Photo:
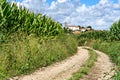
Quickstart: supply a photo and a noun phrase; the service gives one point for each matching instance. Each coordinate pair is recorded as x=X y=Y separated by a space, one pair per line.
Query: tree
x=79 y=26
x=89 y=27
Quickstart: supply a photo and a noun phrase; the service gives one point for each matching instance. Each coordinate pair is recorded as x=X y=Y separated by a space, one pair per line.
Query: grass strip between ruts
x=86 y=67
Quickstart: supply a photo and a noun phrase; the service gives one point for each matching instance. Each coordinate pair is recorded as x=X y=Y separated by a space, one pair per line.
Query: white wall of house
x=73 y=28
x=83 y=30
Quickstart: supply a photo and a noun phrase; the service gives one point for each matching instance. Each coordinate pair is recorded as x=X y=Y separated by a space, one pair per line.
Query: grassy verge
x=86 y=67
x=113 y=50
x=23 y=54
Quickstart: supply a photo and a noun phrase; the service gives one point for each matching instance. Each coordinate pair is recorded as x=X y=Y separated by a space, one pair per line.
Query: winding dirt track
x=102 y=70
x=64 y=70
x=61 y=70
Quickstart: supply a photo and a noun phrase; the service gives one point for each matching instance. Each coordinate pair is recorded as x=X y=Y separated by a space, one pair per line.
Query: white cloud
x=61 y=1
x=53 y=5
x=99 y=16
x=100 y=22
x=81 y=9
x=104 y=1
x=38 y=6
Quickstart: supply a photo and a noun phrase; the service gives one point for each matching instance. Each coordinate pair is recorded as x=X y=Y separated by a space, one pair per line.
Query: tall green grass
x=23 y=55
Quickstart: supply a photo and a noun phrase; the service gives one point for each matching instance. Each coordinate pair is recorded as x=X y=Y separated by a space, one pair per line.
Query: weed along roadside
x=30 y=57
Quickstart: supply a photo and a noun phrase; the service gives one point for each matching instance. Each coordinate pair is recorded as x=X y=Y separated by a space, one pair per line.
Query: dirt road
x=64 y=70
x=61 y=70
x=103 y=69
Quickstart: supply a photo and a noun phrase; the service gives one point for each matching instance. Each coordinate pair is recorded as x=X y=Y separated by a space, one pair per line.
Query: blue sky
x=87 y=2
x=100 y=14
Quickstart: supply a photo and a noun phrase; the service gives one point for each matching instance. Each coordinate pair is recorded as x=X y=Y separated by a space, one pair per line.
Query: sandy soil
x=102 y=70
x=61 y=70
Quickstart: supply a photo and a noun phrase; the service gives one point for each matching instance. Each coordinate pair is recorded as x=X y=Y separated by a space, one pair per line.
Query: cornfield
x=14 y=19
x=29 y=41
x=115 y=30
x=98 y=34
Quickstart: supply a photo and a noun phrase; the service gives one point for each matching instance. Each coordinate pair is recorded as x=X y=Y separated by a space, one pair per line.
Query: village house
x=83 y=29
x=73 y=28
x=77 y=29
